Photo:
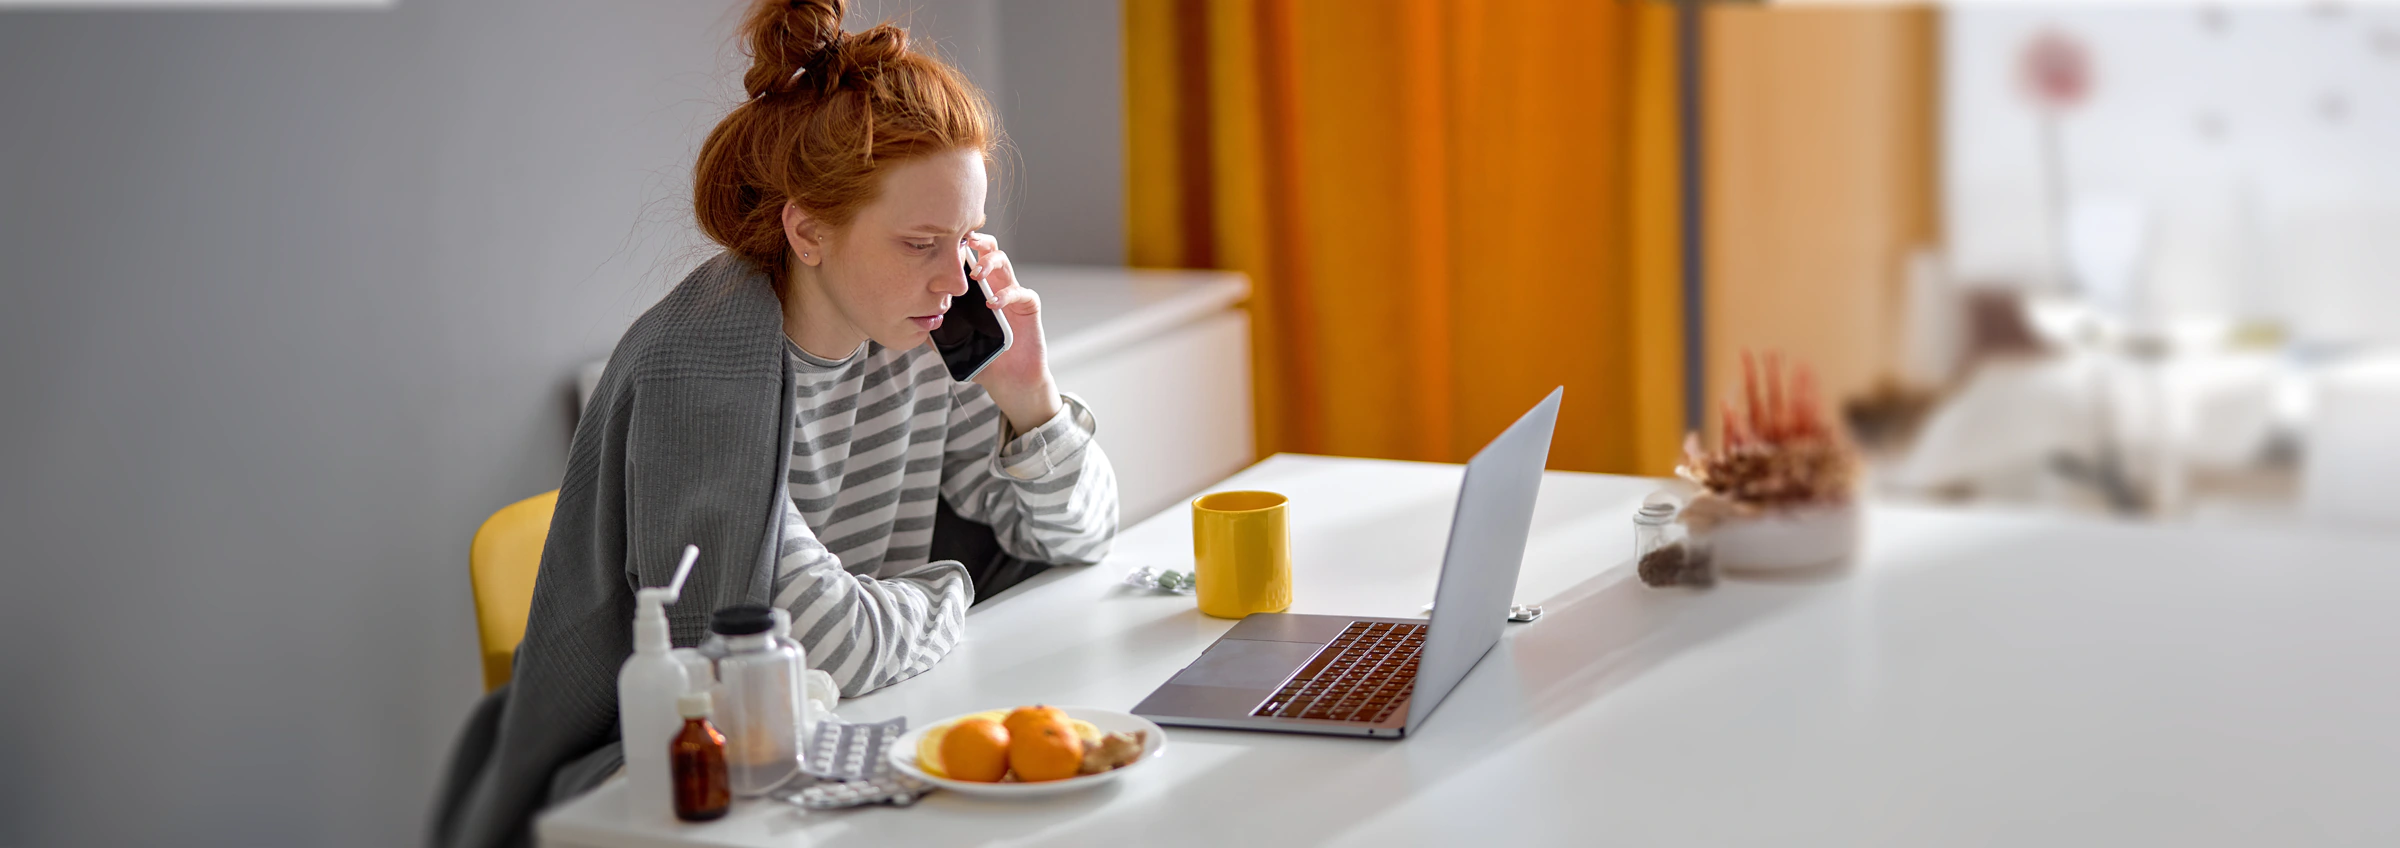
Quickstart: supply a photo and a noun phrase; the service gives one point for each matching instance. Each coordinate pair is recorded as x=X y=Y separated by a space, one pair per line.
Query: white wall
x=1063 y=97
x=289 y=302
x=1055 y=70
x=2260 y=137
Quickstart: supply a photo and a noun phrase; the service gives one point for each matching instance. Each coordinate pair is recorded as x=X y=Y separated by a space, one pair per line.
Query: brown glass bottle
x=703 y=790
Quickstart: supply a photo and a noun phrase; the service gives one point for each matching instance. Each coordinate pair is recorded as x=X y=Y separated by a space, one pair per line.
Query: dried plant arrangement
x=1777 y=453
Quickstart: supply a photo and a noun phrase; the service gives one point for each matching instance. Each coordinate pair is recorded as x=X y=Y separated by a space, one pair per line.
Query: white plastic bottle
x=699 y=671
x=647 y=688
x=807 y=712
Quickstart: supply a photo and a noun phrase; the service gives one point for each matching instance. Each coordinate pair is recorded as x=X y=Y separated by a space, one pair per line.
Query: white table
x=1977 y=678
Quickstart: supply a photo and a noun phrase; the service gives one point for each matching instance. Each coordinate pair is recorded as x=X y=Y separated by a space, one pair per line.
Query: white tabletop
x=1976 y=678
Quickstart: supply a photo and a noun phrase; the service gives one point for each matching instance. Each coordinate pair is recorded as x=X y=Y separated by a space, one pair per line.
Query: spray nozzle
x=650 y=605
x=666 y=595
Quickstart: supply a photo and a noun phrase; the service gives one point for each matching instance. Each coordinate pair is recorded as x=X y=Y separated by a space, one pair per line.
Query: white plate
x=904 y=756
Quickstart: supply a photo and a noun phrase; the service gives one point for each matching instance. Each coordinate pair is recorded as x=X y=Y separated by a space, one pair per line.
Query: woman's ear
x=804 y=233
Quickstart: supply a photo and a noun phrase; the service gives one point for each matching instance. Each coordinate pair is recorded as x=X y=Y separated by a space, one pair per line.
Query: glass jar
x=1665 y=551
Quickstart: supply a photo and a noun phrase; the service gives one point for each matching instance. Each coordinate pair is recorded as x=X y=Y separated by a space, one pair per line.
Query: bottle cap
x=1653 y=513
x=693 y=704
x=1659 y=507
x=741 y=620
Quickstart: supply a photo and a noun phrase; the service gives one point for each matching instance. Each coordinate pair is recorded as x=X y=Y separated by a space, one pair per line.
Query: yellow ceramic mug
x=1241 y=543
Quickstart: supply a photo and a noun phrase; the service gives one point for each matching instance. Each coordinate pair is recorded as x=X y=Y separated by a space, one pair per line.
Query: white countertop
x=1977 y=678
x=1088 y=311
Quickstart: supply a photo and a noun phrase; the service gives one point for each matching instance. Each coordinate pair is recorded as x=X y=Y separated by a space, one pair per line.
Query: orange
x=1023 y=718
x=976 y=749
x=1050 y=750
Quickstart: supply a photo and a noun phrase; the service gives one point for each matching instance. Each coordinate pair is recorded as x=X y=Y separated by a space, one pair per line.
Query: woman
x=783 y=410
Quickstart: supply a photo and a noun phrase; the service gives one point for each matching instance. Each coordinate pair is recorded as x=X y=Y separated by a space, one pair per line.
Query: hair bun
x=851 y=60
x=847 y=107
x=785 y=37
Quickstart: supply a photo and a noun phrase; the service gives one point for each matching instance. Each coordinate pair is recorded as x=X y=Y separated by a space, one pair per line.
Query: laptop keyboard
x=1362 y=675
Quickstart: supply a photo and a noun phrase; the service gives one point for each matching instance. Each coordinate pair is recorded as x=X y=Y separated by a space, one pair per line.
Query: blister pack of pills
x=846 y=765
x=1161 y=580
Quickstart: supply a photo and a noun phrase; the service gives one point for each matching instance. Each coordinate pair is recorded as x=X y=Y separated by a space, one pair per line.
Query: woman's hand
x=1019 y=378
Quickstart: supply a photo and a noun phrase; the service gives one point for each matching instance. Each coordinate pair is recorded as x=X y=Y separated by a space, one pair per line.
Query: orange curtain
x=1445 y=209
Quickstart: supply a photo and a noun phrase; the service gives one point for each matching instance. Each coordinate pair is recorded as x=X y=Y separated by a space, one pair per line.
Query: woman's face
x=893 y=271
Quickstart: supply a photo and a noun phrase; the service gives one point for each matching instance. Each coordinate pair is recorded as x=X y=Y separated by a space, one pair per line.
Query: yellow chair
x=506 y=554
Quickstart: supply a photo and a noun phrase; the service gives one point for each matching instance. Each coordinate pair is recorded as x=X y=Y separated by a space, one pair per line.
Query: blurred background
x=293 y=296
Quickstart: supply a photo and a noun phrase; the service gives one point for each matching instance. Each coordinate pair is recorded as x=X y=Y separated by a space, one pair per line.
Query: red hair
x=827 y=112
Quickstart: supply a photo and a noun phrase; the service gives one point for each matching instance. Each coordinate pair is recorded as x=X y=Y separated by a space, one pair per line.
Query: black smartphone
x=972 y=333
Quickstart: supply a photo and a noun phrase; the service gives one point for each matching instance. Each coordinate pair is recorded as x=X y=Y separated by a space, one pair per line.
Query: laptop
x=1379 y=677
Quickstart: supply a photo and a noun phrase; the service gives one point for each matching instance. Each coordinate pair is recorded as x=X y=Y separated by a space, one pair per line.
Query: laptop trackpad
x=1246 y=663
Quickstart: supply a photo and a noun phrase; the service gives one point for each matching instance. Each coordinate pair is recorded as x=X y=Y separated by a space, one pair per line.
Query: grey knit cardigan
x=682 y=443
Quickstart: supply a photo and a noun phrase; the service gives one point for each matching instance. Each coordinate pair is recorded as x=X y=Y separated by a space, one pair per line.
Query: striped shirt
x=877 y=437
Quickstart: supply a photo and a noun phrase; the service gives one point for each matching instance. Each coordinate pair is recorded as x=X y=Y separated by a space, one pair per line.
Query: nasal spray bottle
x=647 y=688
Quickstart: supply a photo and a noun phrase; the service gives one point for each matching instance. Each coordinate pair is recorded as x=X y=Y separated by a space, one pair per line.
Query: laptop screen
x=1488 y=528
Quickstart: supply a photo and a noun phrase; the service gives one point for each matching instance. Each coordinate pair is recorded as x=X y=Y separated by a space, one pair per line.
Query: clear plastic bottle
x=758 y=700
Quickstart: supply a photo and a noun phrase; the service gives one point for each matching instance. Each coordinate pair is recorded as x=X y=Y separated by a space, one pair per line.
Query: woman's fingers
x=1020 y=301
x=997 y=272
x=984 y=247
x=994 y=269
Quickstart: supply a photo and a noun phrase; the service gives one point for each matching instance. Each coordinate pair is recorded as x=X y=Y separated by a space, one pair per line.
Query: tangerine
x=1022 y=719
x=976 y=749
x=1050 y=750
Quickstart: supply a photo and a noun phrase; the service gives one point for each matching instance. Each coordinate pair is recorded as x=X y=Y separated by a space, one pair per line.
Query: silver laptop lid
x=1487 y=543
